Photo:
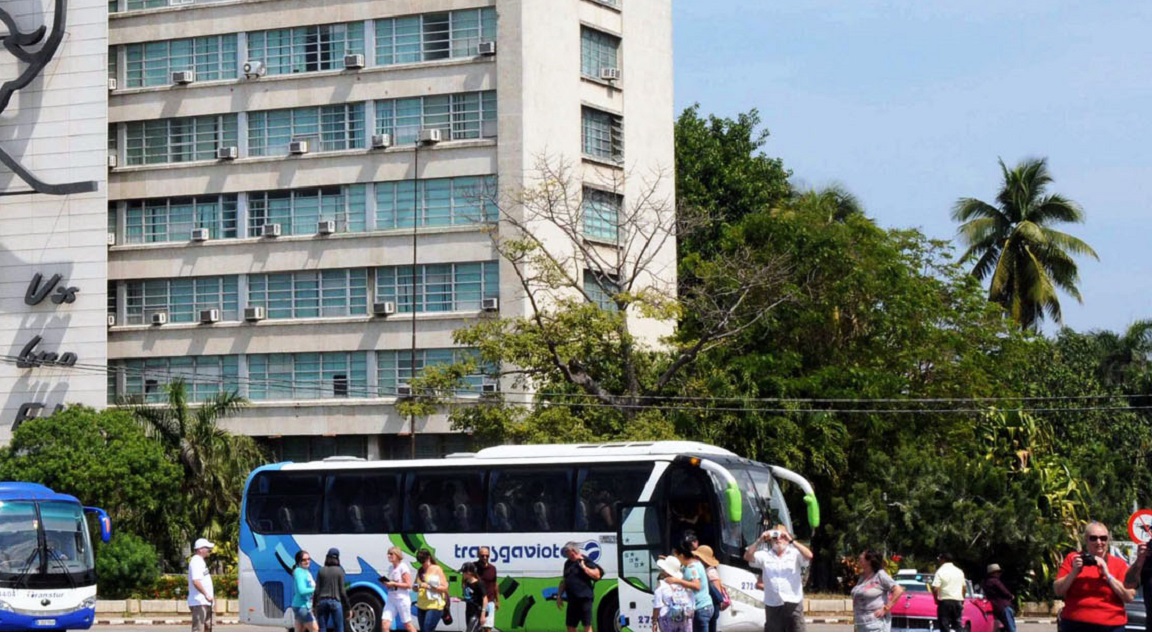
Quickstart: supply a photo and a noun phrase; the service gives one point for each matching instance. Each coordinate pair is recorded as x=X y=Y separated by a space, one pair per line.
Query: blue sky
x=909 y=104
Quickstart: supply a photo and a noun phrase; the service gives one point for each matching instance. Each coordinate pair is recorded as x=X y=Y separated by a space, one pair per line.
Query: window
x=439 y=287
x=173 y=219
x=443 y=202
x=179 y=139
x=434 y=36
x=394 y=368
x=530 y=500
x=599 y=288
x=299 y=211
x=136 y=5
x=306 y=376
x=598 y=50
x=601 y=212
x=182 y=298
x=305 y=49
x=603 y=488
x=603 y=135
x=364 y=501
x=331 y=293
x=150 y=64
x=204 y=376
x=332 y=128
x=446 y=501
x=459 y=116
x=285 y=502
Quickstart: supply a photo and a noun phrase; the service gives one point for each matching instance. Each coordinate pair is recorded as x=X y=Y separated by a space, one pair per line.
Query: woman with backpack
x=672 y=604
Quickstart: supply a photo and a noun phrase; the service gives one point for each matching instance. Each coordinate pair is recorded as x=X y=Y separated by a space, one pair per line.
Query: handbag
x=720 y=599
x=447 y=617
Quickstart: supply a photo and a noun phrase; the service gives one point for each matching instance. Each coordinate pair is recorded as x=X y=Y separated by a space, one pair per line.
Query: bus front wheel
x=366 y=610
x=608 y=616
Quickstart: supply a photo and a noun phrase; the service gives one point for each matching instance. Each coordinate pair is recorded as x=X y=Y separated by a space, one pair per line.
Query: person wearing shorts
x=399 y=584
x=305 y=586
x=579 y=575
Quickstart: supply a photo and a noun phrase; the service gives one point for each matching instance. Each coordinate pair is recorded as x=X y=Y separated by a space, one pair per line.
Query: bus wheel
x=366 y=610
x=608 y=617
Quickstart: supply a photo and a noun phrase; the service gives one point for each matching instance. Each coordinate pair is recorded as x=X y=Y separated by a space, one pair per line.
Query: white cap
x=670 y=565
x=202 y=544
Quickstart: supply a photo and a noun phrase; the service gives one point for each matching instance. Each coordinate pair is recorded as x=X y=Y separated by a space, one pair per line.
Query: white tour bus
x=625 y=503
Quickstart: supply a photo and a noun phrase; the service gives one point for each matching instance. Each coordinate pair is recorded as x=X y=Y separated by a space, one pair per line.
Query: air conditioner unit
x=404 y=391
x=112 y=161
x=183 y=77
x=253 y=314
x=208 y=316
x=270 y=230
x=111 y=239
x=381 y=141
x=488 y=387
x=200 y=234
x=326 y=227
x=111 y=319
x=490 y=304
x=227 y=153
x=112 y=84
x=486 y=49
x=254 y=69
x=430 y=136
x=354 y=61
x=385 y=308
x=611 y=74
x=159 y=318
x=298 y=147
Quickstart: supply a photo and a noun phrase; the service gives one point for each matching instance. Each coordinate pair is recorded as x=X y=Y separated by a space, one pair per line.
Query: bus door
x=639 y=544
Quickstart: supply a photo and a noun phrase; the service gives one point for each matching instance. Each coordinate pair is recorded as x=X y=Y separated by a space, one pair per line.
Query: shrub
x=126 y=564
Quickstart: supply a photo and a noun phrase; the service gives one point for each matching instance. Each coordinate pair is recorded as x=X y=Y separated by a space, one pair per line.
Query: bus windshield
x=44 y=545
x=763 y=506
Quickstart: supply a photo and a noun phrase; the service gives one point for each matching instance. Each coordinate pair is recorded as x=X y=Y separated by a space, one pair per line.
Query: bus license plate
x=46 y=623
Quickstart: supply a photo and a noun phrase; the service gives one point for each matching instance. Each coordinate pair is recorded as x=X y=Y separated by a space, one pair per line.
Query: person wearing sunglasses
x=1091 y=582
x=487 y=574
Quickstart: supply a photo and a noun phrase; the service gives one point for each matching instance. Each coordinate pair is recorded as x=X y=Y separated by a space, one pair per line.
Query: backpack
x=680 y=604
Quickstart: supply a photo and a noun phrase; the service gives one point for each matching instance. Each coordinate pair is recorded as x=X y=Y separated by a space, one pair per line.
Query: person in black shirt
x=579 y=574
x=331 y=595
x=475 y=598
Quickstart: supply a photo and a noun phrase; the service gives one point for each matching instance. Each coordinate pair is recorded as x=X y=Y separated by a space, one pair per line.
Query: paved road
x=244 y=628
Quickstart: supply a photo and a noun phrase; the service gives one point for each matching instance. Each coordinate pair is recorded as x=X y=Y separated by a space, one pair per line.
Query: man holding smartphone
x=782 y=566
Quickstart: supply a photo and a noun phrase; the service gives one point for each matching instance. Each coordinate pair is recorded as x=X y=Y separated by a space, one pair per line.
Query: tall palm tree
x=1011 y=240
x=215 y=462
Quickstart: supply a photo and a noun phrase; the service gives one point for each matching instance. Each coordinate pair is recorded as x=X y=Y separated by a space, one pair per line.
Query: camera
x=774 y=534
x=1088 y=559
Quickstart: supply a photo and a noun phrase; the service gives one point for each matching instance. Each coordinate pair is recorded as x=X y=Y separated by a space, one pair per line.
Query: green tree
x=215 y=463
x=104 y=459
x=722 y=175
x=126 y=564
x=1013 y=242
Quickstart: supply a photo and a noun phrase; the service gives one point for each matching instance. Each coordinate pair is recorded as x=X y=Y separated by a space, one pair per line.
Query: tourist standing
x=950 y=587
x=579 y=575
x=874 y=594
x=782 y=566
x=1000 y=598
x=672 y=604
x=200 y=596
x=303 y=618
x=1090 y=583
x=487 y=574
x=431 y=591
x=399 y=585
x=331 y=594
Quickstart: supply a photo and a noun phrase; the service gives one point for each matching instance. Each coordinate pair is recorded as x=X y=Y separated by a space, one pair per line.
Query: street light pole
x=422 y=137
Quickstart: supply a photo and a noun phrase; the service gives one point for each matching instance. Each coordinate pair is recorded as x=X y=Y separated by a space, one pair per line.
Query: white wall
x=56 y=127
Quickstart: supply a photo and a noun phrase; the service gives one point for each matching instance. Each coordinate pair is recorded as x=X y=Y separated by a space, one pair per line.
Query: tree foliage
x=1013 y=241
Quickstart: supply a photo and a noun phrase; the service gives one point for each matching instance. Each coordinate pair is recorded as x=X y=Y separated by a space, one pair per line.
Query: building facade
x=298 y=192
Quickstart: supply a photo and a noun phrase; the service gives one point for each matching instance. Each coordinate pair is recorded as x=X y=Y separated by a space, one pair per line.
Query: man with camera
x=782 y=569
x=1091 y=583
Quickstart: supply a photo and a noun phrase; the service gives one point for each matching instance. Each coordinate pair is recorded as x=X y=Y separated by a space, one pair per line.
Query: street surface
x=245 y=628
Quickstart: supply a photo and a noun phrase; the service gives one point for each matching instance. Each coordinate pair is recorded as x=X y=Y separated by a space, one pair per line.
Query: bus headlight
x=4 y=606
x=89 y=603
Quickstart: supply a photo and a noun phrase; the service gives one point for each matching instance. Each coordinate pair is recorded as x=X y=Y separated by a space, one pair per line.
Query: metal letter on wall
x=23 y=47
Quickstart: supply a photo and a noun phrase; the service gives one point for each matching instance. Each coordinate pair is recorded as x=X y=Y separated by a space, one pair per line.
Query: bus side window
x=603 y=488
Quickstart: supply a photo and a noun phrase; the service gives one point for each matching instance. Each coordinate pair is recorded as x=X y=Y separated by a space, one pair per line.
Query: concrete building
x=266 y=158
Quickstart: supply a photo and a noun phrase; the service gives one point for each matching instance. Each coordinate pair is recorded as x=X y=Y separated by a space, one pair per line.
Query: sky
x=909 y=105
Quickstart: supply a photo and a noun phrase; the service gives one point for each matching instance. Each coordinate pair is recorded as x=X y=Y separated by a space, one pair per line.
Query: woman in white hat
x=672 y=604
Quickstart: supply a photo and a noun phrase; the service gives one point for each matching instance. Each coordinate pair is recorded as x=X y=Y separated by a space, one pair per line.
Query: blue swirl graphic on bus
x=591 y=550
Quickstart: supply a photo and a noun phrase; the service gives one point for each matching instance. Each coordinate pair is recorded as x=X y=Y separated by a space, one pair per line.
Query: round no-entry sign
x=1140 y=526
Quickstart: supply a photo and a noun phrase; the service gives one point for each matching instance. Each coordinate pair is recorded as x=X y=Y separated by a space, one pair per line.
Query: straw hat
x=704 y=552
x=670 y=565
x=993 y=568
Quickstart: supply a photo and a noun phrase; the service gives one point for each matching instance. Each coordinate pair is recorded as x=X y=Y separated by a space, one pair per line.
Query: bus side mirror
x=735 y=503
x=104 y=520
x=813 y=511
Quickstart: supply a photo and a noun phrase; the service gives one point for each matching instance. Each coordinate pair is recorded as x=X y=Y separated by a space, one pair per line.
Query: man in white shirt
x=200 y=598
x=949 y=587
x=782 y=570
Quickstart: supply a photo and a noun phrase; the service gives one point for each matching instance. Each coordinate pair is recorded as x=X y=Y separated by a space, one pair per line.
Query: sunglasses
x=1097 y=538
x=483 y=555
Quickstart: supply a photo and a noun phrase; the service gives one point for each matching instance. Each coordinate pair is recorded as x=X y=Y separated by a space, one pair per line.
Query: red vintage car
x=916 y=609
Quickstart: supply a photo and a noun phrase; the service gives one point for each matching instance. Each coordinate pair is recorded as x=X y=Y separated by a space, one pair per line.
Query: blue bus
x=47 y=568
